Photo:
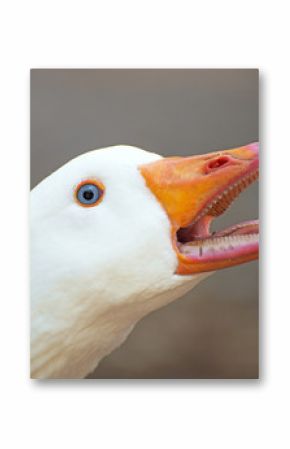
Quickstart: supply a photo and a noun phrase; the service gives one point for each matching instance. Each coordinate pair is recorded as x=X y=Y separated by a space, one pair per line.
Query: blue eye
x=88 y=194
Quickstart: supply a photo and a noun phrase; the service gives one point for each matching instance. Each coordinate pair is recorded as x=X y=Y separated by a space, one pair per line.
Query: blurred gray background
x=212 y=332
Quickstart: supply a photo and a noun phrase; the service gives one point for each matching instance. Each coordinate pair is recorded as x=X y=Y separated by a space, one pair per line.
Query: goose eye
x=89 y=193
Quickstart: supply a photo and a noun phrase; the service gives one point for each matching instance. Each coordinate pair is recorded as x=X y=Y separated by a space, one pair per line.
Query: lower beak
x=194 y=190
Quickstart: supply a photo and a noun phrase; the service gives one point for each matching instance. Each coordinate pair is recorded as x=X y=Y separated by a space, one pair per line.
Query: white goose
x=119 y=232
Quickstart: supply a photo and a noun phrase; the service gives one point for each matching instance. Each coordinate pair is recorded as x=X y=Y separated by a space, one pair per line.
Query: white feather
x=96 y=271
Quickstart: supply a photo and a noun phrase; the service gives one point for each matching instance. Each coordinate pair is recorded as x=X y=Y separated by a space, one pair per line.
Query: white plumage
x=96 y=271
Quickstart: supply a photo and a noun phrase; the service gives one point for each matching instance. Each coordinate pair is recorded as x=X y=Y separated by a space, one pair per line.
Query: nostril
x=217 y=163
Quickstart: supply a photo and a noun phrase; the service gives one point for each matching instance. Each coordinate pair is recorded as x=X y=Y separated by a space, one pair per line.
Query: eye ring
x=89 y=193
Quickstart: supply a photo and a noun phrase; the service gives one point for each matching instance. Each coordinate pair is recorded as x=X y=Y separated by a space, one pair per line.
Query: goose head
x=119 y=232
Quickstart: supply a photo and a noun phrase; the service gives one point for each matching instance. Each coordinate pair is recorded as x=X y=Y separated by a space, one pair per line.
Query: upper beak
x=186 y=187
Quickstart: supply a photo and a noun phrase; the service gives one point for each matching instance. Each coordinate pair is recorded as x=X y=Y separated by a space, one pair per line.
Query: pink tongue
x=248 y=227
x=200 y=230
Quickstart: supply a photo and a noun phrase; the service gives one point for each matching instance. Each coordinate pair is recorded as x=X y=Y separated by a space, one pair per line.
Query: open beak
x=193 y=191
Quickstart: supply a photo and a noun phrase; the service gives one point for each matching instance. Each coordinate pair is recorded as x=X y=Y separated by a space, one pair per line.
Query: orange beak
x=194 y=190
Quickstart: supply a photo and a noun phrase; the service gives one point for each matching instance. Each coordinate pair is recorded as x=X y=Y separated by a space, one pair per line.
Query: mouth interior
x=198 y=242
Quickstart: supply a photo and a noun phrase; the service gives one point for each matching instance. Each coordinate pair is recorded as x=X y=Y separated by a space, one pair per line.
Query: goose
x=119 y=232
